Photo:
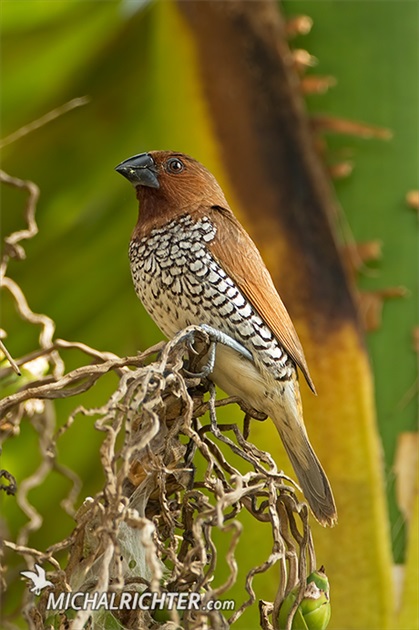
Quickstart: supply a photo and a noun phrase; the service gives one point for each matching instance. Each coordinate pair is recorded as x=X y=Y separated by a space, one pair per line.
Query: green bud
x=313 y=612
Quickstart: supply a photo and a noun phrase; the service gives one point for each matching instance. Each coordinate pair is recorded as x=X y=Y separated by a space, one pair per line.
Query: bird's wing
x=30 y=575
x=41 y=571
x=245 y=266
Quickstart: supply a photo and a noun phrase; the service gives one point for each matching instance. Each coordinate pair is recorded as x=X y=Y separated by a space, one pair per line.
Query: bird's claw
x=216 y=336
x=209 y=366
x=190 y=344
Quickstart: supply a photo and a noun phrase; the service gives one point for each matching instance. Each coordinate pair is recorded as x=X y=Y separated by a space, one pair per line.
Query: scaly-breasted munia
x=193 y=263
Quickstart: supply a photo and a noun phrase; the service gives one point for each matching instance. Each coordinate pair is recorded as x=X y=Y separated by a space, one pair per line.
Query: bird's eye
x=174 y=165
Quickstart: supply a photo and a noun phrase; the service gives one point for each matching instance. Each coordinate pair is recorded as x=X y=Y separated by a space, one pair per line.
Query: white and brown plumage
x=193 y=263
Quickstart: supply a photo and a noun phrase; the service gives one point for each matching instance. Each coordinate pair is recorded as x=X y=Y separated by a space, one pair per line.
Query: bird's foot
x=216 y=337
x=206 y=369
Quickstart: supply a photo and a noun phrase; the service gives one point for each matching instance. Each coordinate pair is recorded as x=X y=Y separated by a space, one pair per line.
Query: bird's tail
x=313 y=480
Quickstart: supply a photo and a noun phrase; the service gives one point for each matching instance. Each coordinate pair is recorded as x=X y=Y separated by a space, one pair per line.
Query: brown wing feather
x=255 y=282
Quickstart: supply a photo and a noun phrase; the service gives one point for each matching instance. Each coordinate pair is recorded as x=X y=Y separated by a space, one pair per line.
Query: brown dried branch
x=40 y=122
x=46 y=323
x=10 y=359
x=130 y=534
x=79 y=380
x=12 y=247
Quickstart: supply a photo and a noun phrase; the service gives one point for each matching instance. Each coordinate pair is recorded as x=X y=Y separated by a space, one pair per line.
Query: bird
x=193 y=263
x=38 y=579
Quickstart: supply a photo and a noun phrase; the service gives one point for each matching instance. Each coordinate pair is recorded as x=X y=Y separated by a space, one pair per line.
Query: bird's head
x=171 y=183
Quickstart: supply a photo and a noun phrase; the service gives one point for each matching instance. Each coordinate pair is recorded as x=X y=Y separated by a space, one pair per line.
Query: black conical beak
x=140 y=170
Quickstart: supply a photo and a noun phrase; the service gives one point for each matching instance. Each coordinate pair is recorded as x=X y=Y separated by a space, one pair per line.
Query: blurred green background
x=135 y=62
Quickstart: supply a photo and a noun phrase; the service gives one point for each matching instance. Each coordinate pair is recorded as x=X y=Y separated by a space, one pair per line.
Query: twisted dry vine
x=157 y=510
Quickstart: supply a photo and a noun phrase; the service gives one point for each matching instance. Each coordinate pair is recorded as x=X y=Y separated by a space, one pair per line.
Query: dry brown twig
x=47 y=118
x=155 y=510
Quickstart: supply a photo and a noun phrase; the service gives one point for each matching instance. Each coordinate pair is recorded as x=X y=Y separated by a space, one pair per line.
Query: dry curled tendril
x=168 y=487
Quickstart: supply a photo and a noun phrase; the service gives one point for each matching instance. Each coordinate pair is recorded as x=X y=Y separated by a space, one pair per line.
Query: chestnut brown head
x=174 y=179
